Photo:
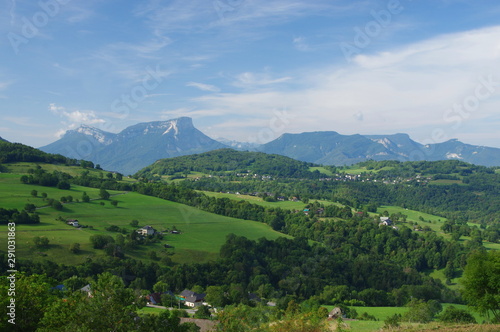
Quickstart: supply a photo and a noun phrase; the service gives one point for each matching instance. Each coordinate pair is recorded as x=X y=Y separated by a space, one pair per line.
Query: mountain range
x=142 y=144
x=332 y=148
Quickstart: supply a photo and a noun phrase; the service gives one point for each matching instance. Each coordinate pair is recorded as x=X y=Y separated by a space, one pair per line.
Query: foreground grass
x=446 y=328
x=382 y=313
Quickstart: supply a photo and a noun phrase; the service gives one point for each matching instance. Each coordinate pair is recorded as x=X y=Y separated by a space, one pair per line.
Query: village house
x=146 y=231
x=192 y=299
x=73 y=222
x=385 y=221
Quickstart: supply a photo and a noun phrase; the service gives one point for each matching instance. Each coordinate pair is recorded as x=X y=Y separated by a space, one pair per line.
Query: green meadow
x=382 y=313
x=356 y=169
x=433 y=222
x=202 y=233
x=322 y=170
x=288 y=205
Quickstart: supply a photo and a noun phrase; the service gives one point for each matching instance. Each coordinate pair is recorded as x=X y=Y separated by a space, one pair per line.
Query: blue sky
x=250 y=70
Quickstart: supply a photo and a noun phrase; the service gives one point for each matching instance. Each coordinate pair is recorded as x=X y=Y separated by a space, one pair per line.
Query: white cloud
x=72 y=119
x=248 y=80
x=301 y=44
x=203 y=86
x=408 y=89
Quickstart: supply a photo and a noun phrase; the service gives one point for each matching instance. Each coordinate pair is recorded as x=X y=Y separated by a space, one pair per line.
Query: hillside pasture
x=287 y=205
x=202 y=233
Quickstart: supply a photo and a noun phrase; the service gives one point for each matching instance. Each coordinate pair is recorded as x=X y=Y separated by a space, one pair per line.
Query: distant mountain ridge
x=332 y=148
x=142 y=144
x=136 y=146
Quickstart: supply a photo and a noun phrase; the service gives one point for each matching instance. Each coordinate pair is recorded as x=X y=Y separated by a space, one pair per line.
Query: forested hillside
x=228 y=160
x=17 y=152
x=452 y=189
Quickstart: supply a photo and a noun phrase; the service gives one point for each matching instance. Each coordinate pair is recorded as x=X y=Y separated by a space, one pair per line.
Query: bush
x=392 y=321
x=75 y=248
x=30 y=208
x=366 y=316
x=113 y=228
x=203 y=312
x=85 y=197
x=454 y=315
x=56 y=205
x=420 y=311
x=100 y=241
x=41 y=241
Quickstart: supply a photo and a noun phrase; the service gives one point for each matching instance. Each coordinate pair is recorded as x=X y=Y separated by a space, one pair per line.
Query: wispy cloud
x=398 y=90
x=22 y=121
x=76 y=116
x=249 y=79
x=301 y=44
x=203 y=86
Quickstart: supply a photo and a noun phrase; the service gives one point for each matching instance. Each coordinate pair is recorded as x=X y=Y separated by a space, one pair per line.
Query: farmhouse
x=73 y=222
x=192 y=299
x=385 y=221
x=146 y=230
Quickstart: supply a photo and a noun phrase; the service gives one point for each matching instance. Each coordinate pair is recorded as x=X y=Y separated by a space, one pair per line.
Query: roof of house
x=86 y=288
x=60 y=287
x=191 y=296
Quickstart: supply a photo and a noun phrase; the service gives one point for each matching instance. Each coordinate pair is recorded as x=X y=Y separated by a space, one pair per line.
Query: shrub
x=454 y=315
x=392 y=321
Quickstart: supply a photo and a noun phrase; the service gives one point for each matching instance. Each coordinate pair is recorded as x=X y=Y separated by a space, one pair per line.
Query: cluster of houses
x=191 y=299
x=307 y=211
x=186 y=297
x=345 y=177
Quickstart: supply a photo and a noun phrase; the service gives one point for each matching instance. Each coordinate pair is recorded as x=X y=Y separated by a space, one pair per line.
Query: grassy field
x=358 y=170
x=202 y=233
x=382 y=313
x=150 y=310
x=321 y=170
x=22 y=168
x=14 y=194
x=288 y=205
x=433 y=222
